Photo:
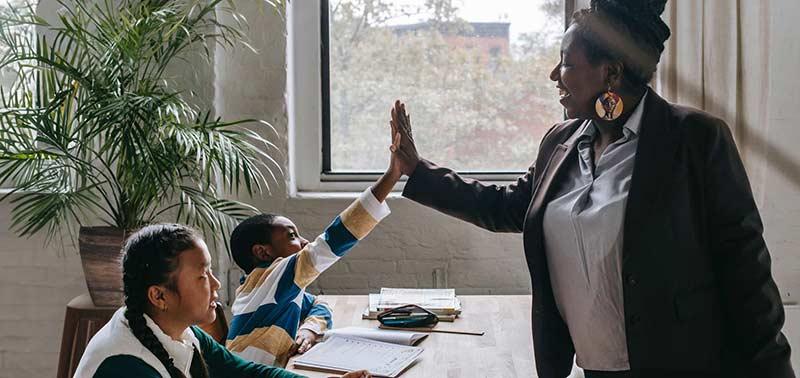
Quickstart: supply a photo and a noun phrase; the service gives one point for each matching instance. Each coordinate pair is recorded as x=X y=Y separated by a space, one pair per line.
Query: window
x=10 y=73
x=474 y=76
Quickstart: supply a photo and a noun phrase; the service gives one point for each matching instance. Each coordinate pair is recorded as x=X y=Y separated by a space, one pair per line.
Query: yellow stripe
x=273 y=339
x=256 y=278
x=318 y=320
x=357 y=220
x=304 y=270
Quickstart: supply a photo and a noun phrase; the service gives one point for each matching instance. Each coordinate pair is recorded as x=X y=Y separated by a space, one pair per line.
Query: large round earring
x=609 y=105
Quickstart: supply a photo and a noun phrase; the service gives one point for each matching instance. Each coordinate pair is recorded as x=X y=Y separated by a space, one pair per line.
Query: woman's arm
x=493 y=207
x=753 y=310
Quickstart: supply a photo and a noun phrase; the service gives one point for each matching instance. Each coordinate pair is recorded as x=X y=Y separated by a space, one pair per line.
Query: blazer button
x=632 y=280
x=634 y=320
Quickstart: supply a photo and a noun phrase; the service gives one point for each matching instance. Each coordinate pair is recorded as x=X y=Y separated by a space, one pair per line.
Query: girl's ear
x=156 y=295
x=262 y=252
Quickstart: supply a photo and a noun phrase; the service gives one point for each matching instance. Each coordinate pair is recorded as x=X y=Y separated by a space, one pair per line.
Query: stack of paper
x=442 y=302
x=376 y=334
x=342 y=354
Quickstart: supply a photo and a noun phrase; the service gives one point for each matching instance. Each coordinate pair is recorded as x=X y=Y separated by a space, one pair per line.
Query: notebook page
x=349 y=353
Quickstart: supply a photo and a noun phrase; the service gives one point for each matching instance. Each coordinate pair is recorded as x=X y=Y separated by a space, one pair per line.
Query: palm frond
x=93 y=126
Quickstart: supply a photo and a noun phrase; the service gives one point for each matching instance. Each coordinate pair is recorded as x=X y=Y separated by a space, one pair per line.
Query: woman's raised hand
x=404 y=151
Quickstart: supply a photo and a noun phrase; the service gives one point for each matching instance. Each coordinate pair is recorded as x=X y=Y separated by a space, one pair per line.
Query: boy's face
x=286 y=239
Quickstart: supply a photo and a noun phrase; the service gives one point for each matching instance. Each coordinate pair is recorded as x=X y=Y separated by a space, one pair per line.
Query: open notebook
x=386 y=336
x=343 y=353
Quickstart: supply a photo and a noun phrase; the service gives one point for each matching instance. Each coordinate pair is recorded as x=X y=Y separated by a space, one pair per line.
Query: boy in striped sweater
x=273 y=315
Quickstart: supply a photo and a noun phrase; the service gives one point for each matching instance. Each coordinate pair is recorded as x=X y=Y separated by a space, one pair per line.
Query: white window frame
x=304 y=106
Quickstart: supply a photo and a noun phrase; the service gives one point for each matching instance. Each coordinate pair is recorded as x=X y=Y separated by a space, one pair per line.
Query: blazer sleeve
x=495 y=208
x=751 y=301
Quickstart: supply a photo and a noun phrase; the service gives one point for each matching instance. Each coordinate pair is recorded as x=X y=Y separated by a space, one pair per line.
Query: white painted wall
x=36 y=283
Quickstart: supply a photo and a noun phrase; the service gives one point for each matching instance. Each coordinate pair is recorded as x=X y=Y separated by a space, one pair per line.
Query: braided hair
x=631 y=31
x=151 y=256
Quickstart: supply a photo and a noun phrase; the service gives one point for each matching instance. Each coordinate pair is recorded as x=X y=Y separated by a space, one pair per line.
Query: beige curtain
x=718 y=60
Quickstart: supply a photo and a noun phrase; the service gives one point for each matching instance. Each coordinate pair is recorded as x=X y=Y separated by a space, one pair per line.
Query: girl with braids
x=169 y=287
x=641 y=235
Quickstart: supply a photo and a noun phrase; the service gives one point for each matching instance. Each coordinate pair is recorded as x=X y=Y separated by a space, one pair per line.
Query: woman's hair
x=254 y=230
x=630 y=31
x=151 y=258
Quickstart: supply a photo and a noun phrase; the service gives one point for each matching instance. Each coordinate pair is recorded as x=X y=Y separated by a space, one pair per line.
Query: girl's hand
x=404 y=151
x=358 y=374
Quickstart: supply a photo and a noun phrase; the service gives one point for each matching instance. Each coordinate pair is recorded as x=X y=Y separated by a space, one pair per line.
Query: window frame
x=308 y=108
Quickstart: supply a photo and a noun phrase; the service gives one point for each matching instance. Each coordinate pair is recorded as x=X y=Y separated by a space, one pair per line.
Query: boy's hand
x=305 y=340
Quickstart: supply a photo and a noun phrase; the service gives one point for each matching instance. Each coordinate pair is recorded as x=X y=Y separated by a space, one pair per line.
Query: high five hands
x=404 y=151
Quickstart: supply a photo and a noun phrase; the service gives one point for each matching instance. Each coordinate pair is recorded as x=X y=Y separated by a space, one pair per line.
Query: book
x=442 y=302
x=401 y=337
x=372 y=314
x=435 y=300
x=343 y=353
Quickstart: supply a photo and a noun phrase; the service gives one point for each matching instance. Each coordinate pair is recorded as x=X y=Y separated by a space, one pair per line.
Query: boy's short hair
x=254 y=230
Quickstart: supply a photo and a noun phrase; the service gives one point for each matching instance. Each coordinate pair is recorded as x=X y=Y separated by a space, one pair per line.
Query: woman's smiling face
x=579 y=81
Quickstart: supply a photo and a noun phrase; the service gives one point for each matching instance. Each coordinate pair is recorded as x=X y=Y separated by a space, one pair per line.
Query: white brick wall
x=35 y=286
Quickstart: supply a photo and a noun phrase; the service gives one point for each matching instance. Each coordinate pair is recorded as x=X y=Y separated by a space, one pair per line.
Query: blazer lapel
x=655 y=156
x=563 y=152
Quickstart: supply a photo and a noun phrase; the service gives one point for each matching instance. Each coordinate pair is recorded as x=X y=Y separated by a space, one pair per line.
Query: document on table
x=387 y=336
x=342 y=353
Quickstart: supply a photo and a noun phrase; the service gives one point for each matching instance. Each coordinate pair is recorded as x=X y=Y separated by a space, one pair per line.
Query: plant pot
x=101 y=256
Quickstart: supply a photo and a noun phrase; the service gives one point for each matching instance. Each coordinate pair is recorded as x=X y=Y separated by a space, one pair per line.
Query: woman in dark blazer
x=641 y=234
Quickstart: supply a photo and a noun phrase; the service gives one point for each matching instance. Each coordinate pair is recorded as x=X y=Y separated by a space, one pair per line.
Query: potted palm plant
x=94 y=131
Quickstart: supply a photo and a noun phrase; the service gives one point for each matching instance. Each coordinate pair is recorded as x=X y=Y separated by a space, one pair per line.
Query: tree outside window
x=477 y=87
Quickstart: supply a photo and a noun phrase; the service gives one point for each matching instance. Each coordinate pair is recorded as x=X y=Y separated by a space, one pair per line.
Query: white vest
x=116 y=338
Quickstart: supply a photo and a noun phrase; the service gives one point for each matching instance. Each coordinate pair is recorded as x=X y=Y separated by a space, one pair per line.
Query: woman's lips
x=563 y=95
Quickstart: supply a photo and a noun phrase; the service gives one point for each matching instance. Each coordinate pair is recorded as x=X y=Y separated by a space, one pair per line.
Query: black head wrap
x=628 y=30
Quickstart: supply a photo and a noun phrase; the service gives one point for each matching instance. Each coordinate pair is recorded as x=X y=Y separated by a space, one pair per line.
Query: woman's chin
x=573 y=113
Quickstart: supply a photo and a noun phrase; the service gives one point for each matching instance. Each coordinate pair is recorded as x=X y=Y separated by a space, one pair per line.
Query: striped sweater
x=272 y=303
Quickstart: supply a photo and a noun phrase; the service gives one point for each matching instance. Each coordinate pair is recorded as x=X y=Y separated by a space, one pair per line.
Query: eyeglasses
x=408 y=316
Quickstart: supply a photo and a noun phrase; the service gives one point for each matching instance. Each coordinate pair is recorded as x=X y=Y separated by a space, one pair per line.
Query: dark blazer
x=697 y=287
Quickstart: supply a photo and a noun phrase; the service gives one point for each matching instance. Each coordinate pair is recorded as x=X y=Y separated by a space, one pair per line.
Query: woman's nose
x=555 y=74
x=303 y=242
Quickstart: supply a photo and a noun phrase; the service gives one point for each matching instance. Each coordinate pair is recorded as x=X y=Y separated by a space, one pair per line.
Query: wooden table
x=505 y=350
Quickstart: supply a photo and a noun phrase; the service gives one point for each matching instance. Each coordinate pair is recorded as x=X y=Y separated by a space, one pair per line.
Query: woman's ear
x=614 y=71
x=262 y=252
x=157 y=296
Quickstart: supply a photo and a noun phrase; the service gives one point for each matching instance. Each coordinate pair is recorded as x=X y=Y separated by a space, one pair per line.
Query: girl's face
x=194 y=299
x=578 y=80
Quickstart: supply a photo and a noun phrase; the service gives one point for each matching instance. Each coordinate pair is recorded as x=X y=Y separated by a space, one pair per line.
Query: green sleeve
x=223 y=363
x=125 y=366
